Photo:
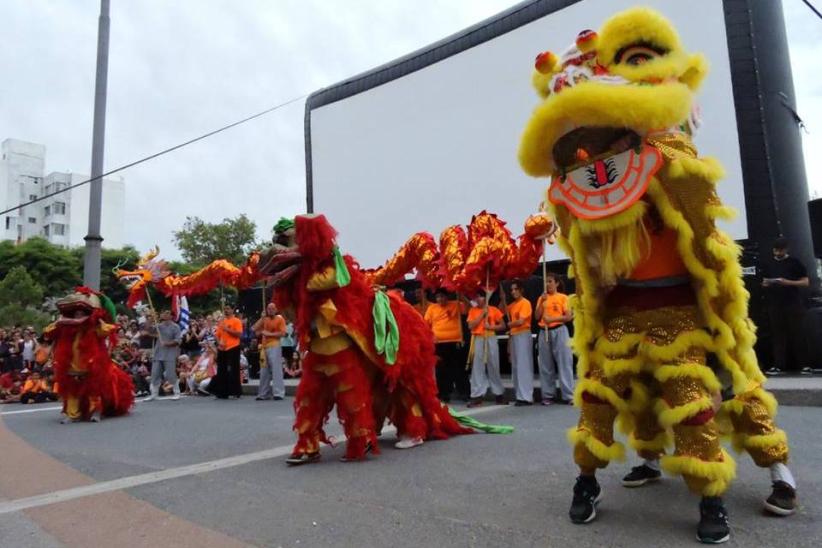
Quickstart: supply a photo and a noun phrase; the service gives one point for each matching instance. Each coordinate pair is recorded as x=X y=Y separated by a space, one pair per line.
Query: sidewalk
x=802 y=390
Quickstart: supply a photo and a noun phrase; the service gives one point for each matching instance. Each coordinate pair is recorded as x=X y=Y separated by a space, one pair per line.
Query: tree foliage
x=54 y=268
x=201 y=242
x=20 y=299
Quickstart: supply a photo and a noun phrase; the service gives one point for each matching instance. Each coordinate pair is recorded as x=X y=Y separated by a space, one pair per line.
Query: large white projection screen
x=430 y=149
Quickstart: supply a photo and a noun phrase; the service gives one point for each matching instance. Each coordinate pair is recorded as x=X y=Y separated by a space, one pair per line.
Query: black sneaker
x=773 y=372
x=586 y=496
x=302 y=458
x=500 y=400
x=522 y=403
x=640 y=475
x=476 y=402
x=782 y=501
x=713 y=522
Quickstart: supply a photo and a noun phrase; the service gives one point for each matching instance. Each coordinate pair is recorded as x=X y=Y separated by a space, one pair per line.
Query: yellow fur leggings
x=649 y=372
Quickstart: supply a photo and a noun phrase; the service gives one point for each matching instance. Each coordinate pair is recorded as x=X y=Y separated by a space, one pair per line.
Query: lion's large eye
x=636 y=55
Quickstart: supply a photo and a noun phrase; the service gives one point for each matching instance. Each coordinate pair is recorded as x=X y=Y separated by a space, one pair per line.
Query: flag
x=182 y=312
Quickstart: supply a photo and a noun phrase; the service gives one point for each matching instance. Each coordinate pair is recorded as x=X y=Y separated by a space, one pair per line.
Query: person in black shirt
x=784 y=277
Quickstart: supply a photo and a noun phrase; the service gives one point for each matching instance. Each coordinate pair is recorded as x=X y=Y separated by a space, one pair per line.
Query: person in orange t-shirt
x=272 y=328
x=227 y=381
x=554 y=352
x=484 y=322
x=34 y=390
x=521 y=345
x=444 y=317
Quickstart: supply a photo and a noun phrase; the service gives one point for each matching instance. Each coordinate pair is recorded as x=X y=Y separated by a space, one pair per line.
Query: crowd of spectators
x=26 y=374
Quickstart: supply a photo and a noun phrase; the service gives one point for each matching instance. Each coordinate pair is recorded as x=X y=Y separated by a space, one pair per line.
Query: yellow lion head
x=603 y=99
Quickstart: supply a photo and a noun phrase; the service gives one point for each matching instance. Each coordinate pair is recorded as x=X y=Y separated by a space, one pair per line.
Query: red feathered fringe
x=104 y=379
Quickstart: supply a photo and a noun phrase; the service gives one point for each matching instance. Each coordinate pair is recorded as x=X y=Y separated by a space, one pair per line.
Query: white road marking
x=59 y=408
x=34 y=410
x=128 y=482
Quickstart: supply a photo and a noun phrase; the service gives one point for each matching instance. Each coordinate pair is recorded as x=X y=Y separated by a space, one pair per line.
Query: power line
x=155 y=155
x=813 y=9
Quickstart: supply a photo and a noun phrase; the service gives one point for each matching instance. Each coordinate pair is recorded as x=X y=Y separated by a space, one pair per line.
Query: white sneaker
x=150 y=397
x=175 y=397
x=408 y=443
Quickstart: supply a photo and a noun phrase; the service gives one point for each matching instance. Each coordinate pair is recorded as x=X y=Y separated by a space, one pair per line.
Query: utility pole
x=91 y=261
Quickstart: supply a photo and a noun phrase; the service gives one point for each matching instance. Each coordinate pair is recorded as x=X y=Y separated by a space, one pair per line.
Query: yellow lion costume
x=661 y=311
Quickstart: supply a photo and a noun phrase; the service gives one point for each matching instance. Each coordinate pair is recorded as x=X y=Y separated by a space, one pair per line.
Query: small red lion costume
x=369 y=353
x=88 y=381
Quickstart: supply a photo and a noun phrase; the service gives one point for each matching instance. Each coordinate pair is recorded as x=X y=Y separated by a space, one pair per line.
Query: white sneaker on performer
x=154 y=392
x=150 y=397
x=175 y=397
x=408 y=443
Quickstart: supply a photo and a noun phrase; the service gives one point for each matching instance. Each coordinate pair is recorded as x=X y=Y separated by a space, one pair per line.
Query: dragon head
x=307 y=240
x=149 y=269
x=84 y=303
x=602 y=100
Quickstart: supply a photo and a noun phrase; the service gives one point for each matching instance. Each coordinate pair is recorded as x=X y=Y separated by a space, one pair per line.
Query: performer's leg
x=494 y=378
x=442 y=373
x=312 y=404
x=479 y=379
x=71 y=408
x=565 y=362
x=264 y=389
x=688 y=391
x=156 y=379
x=171 y=375
x=755 y=432
x=354 y=409
x=547 y=367
x=523 y=358
x=274 y=358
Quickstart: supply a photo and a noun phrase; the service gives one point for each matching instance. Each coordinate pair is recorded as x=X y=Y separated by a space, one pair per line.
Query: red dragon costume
x=88 y=381
x=368 y=353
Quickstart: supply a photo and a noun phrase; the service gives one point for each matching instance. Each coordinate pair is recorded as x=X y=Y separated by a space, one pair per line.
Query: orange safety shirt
x=553 y=306
x=277 y=323
x=520 y=310
x=444 y=321
x=228 y=341
x=494 y=318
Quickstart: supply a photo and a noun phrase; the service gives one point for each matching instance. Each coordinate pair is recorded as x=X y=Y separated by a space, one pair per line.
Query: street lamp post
x=91 y=261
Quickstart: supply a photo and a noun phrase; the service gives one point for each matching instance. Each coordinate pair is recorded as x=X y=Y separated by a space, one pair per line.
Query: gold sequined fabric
x=673 y=146
x=660 y=326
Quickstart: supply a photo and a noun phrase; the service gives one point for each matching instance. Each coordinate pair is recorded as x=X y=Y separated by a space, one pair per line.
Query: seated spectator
x=204 y=368
x=140 y=373
x=34 y=390
x=11 y=394
x=184 y=371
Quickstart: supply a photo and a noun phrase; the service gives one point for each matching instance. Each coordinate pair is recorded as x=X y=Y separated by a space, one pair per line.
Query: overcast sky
x=179 y=69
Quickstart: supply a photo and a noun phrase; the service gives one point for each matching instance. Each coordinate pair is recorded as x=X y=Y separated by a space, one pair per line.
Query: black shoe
x=302 y=458
x=278 y=398
x=586 y=496
x=713 y=522
x=782 y=501
x=522 y=403
x=476 y=402
x=640 y=475
x=500 y=400
x=773 y=371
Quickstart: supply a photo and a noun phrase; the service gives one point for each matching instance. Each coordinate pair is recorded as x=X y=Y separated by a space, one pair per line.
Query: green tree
x=201 y=242
x=20 y=299
x=54 y=268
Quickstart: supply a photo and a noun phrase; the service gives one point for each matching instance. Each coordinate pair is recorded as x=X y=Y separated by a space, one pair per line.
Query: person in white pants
x=272 y=328
x=554 y=352
x=484 y=323
x=521 y=345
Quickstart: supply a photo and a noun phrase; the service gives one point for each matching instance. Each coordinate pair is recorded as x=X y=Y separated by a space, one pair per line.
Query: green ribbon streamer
x=386 y=332
x=471 y=422
x=341 y=269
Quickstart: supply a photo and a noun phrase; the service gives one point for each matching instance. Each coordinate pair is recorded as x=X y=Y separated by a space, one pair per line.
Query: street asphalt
x=474 y=491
